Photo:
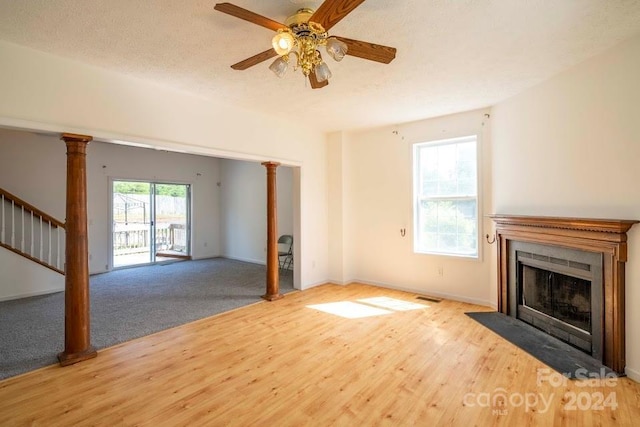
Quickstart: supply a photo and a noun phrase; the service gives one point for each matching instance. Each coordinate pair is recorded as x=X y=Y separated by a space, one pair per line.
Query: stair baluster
x=23 y=224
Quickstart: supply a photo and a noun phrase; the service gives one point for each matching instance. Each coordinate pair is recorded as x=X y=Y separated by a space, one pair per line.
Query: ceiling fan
x=302 y=34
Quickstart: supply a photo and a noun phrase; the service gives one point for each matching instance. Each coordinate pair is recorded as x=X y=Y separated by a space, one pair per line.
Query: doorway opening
x=151 y=222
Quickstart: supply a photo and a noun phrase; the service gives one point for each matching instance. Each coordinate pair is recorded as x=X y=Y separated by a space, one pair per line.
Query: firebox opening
x=559 y=291
x=562 y=297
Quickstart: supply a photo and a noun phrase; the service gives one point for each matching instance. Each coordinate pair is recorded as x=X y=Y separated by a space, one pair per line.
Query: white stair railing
x=30 y=232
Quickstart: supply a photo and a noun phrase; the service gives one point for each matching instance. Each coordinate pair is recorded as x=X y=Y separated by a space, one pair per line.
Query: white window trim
x=478 y=197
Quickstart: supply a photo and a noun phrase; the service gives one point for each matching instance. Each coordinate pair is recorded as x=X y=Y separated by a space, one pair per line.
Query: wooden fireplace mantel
x=605 y=236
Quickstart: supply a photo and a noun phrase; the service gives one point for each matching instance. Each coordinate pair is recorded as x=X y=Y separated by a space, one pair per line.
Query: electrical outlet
x=440 y=271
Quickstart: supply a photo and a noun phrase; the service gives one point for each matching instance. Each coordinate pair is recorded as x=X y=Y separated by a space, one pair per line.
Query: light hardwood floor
x=283 y=363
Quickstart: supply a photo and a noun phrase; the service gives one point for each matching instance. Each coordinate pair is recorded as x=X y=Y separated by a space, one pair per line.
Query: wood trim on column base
x=67 y=359
x=272 y=297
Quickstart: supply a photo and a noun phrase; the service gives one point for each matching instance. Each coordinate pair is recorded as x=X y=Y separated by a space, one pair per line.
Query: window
x=446 y=197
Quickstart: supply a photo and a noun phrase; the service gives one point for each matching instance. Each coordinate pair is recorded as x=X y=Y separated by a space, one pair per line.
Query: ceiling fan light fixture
x=303 y=34
x=337 y=49
x=323 y=72
x=283 y=42
x=279 y=66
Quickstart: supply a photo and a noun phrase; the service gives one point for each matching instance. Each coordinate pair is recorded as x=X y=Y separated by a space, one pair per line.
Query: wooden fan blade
x=332 y=11
x=255 y=59
x=370 y=51
x=315 y=84
x=247 y=15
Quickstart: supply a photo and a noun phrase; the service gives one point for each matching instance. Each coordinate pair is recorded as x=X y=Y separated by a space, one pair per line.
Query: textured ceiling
x=453 y=55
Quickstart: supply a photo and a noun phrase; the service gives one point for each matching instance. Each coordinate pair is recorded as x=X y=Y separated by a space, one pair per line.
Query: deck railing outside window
x=136 y=238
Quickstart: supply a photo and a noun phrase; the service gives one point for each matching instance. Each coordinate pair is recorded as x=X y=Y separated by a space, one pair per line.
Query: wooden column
x=77 y=332
x=273 y=279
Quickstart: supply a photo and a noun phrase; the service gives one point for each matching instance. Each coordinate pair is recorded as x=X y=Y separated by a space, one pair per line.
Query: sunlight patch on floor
x=367 y=307
x=393 y=304
x=350 y=310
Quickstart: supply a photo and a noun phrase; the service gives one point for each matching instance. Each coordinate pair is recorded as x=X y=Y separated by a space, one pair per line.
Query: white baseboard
x=313 y=285
x=32 y=294
x=339 y=282
x=429 y=293
x=194 y=257
x=252 y=261
x=632 y=374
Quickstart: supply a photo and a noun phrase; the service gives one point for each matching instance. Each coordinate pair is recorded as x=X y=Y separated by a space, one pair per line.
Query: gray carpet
x=127 y=304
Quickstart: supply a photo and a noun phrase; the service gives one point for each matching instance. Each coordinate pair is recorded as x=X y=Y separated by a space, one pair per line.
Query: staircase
x=31 y=233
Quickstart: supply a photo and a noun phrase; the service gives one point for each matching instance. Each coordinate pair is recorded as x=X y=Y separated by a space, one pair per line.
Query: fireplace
x=565 y=276
x=559 y=290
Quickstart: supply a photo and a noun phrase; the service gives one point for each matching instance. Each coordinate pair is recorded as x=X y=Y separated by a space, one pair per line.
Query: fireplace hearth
x=565 y=276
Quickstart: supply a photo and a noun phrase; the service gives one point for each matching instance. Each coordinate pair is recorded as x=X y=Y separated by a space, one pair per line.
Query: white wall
x=33 y=167
x=244 y=197
x=571 y=147
x=335 y=163
x=45 y=92
x=21 y=278
x=109 y=161
x=228 y=198
x=377 y=197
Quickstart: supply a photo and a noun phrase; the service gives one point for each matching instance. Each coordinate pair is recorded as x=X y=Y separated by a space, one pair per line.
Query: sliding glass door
x=151 y=222
x=171 y=224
